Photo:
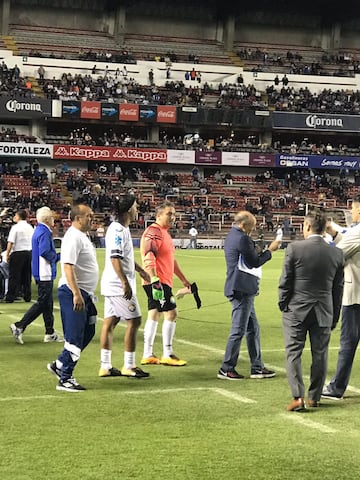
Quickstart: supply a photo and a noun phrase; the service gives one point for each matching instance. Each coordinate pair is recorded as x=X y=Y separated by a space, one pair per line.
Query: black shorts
x=169 y=304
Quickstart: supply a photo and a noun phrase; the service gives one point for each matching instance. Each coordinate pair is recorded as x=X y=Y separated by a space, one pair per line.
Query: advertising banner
x=317 y=161
x=25 y=107
x=316 y=122
x=71 y=109
x=110 y=111
x=240 y=159
x=262 y=160
x=110 y=154
x=208 y=158
x=28 y=150
x=166 y=114
x=181 y=156
x=90 y=110
x=129 y=112
x=147 y=113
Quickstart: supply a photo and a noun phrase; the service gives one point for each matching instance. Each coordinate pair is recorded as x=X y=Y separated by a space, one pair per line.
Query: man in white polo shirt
x=18 y=256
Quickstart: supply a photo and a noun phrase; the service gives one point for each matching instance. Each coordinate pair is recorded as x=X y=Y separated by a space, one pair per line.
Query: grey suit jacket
x=312 y=278
x=349 y=243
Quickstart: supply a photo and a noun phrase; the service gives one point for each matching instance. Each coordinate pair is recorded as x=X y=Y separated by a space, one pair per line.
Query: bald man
x=243 y=275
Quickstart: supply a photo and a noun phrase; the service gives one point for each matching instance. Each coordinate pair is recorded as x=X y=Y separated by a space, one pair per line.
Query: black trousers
x=19 y=275
x=44 y=306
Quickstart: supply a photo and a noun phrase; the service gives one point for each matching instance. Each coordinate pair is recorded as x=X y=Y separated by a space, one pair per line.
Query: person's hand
x=127 y=290
x=275 y=245
x=330 y=229
x=145 y=276
x=78 y=302
x=157 y=289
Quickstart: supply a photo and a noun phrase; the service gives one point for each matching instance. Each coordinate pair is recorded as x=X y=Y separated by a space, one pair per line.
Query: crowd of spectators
x=315 y=63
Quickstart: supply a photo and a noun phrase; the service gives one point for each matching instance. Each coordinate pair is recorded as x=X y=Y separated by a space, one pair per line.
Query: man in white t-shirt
x=193 y=233
x=18 y=256
x=79 y=278
x=118 y=285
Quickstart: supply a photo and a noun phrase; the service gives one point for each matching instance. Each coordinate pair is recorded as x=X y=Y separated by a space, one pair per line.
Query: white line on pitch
x=219 y=391
x=232 y=395
x=35 y=397
x=301 y=420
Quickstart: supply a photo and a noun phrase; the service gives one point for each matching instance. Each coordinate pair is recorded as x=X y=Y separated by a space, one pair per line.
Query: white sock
x=59 y=364
x=149 y=337
x=129 y=360
x=105 y=358
x=168 y=332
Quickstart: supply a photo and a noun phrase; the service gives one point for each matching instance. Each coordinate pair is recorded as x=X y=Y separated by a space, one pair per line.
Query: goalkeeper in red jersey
x=157 y=252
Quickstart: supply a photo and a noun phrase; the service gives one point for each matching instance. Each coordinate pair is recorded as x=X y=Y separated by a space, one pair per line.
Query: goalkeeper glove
x=157 y=289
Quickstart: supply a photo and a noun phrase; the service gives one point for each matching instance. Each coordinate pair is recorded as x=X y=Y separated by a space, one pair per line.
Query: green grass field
x=182 y=423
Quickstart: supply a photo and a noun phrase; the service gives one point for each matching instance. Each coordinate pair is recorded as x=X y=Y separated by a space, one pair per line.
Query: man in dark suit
x=310 y=293
x=243 y=274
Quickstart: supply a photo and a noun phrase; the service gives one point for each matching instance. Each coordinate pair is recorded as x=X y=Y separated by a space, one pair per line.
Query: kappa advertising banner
x=109 y=154
x=208 y=158
x=166 y=114
x=181 y=156
x=90 y=110
x=25 y=108
x=317 y=161
x=262 y=160
x=28 y=150
x=316 y=122
x=240 y=159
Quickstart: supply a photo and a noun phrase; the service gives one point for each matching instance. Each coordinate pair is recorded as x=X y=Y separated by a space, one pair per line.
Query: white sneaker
x=17 y=333
x=53 y=337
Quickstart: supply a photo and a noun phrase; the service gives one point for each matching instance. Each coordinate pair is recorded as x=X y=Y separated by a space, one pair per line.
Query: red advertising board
x=166 y=114
x=129 y=112
x=109 y=154
x=90 y=110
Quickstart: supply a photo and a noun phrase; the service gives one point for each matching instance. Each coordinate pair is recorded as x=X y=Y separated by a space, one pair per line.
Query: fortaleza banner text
x=317 y=161
x=110 y=154
x=316 y=122
x=30 y=150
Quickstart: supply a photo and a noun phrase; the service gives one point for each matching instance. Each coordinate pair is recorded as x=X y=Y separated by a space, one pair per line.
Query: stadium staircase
x=36 y=88
x=235 y=59
x=10 y=44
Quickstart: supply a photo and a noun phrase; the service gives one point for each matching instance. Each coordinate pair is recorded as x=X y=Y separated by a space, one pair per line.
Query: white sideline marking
x=219 y=391
x=35 y=397
x=232 y=395
x=299 y=418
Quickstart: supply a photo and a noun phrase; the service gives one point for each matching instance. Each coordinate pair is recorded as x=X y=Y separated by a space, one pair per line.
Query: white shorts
x=121 y=308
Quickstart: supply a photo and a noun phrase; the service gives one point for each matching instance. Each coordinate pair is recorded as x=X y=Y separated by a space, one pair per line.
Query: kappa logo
x=131 y=307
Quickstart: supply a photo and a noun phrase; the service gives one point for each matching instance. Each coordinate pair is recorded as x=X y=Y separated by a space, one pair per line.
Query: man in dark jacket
x=242 y=284
x=43 y=263
x=310 y=293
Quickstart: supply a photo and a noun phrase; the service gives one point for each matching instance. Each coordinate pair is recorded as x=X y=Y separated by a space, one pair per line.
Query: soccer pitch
x=182 y=423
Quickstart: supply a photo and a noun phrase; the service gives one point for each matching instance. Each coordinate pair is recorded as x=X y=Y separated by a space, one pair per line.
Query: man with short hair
x=310 y=292
x=44 y=258
x=118 y=285
x=18 y=256
x=193 y=233
x=157 y=252
x=349 y=243
x=77 y=285
x=241 y=285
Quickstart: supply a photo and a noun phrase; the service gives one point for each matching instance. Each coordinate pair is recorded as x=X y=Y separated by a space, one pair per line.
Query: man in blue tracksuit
x=43 y=263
